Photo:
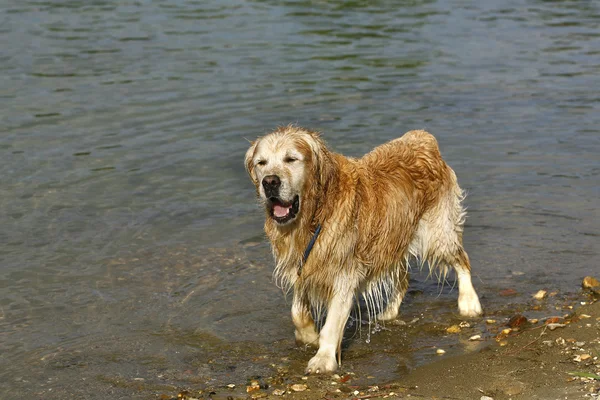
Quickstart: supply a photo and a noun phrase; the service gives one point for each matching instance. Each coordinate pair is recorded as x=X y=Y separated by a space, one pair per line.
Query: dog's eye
x=262 y=163
x=290 y=159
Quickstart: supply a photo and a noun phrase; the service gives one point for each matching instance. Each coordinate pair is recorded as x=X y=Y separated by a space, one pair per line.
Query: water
x=131 y=245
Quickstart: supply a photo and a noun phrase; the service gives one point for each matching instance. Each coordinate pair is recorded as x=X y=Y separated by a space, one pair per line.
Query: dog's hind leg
x=400 y=285
x=306 y=334
x=442 y=237
x=468 y=301
x=331 y=334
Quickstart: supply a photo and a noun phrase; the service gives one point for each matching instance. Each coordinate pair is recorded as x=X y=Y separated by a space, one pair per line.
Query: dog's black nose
x=271 y=183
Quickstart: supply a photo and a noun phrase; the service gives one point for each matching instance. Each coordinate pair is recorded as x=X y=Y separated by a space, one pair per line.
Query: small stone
x=584 y=316
x=231 y=386
x=475 y=337
x=464 y=324
x=506 y=331
x=490 y=321
x=579 y=344
x=560 y=341
x=517 y=321
x=486 y=398
x=590 y=282
x=440 y=351
x=252 y=387
x=584 y=357
x=553 y=320
x=513 y=389
x=508 y=292
x=278 y=392
x=336 y=377
x=554 y=326
x=453 y=329
x=502 y=343
x=356 y=393
x=540 y=295
x=299 y=387
x=534 y=321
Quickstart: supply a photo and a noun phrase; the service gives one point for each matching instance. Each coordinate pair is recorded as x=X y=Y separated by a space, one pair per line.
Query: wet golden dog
x=341 y=227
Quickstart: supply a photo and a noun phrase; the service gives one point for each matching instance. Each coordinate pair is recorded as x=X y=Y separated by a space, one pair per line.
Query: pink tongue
x=281 y=211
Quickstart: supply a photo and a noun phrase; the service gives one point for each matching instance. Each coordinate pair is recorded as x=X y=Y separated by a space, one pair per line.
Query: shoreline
x=535 y=360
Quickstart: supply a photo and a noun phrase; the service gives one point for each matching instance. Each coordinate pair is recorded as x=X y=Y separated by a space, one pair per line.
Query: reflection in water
x=131 y=244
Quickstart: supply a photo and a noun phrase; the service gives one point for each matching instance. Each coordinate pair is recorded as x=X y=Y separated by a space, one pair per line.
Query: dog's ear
x=249 y=162
x=322 y=158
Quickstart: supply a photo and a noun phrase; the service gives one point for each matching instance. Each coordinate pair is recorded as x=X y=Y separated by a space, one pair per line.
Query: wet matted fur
x=374 y=213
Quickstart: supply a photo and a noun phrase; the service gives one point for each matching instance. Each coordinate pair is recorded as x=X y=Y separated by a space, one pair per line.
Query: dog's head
x=284 y=165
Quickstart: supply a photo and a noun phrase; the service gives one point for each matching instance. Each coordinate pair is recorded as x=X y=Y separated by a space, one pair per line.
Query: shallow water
x=131 y=244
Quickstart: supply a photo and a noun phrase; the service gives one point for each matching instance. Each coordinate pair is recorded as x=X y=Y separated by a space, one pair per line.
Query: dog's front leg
x=303 y=321
x=331 y=334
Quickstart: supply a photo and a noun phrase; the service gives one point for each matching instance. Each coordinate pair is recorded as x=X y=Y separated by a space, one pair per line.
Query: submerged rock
x=590 y=282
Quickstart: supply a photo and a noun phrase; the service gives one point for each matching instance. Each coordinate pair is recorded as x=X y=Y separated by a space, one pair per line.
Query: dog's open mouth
x=282 y=211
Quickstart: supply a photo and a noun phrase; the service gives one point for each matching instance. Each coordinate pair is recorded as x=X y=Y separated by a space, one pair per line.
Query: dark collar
x=309 y=248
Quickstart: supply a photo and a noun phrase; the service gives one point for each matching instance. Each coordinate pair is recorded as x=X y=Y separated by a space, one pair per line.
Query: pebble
x=453 y=329
x=299 y=387
x=278 y=392
x=231 y=386
x=582 y=357
x=486 y=398
x=475 y=337
x=554 y=326
x=254 y=385
x=517 y=321
x=540 y=295
x=440 y=351
x=490 y=321
x=464 y=324
x=590 y=282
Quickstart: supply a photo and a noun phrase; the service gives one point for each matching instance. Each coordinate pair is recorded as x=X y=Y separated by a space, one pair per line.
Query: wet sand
x=533 y=361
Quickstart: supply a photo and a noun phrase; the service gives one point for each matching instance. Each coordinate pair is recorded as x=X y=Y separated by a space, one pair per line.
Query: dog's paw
x=322 y=364
x=307 y=337
x=389 y=314
x=469 y=305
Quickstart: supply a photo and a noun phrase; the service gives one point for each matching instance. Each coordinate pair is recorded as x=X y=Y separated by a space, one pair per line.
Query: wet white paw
x=469 y=305
x=389 y=314
x=322 y=364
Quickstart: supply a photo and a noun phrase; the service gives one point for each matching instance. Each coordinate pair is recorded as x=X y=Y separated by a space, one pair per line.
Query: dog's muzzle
x=281 y=211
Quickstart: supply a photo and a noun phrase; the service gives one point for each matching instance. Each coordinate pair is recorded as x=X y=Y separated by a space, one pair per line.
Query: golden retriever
x=342 y=227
